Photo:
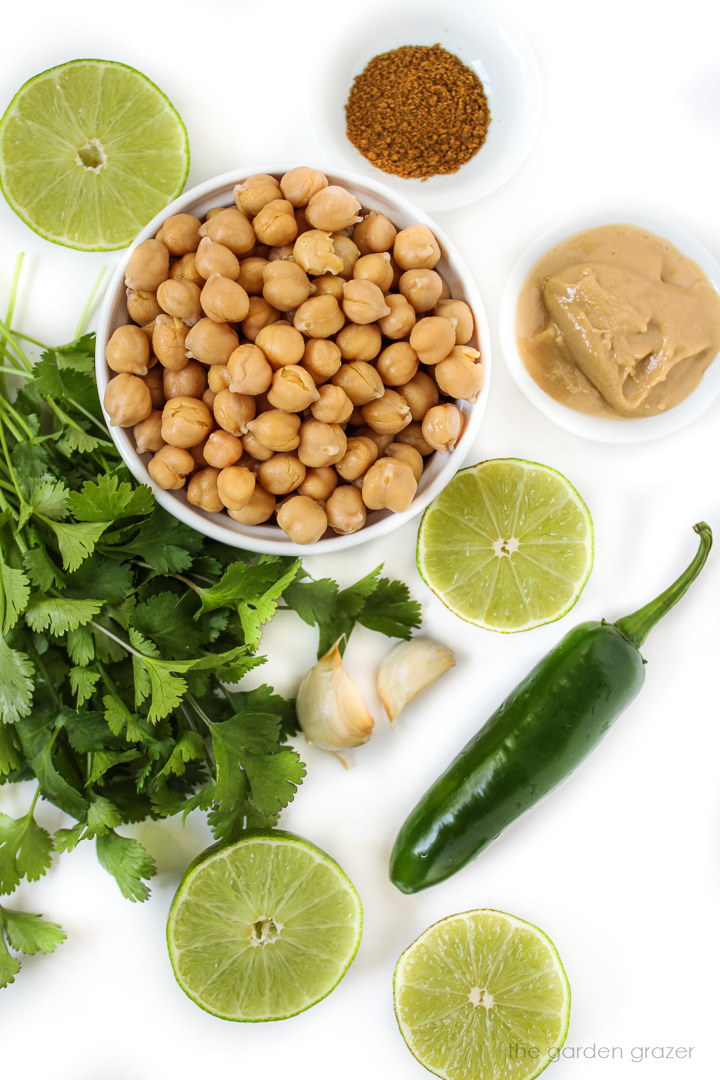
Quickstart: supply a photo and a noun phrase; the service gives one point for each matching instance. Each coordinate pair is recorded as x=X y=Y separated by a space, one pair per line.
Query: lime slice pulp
x=90 y=151
x=482 y=996
x=263 y=928
x=507 y=545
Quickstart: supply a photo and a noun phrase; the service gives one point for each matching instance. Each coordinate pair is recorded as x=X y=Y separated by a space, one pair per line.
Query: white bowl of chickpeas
x=290 y=357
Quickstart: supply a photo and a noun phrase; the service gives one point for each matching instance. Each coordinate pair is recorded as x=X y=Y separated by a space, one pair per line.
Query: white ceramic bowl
x=595 y=427
x=486 y=39
x=270 y=538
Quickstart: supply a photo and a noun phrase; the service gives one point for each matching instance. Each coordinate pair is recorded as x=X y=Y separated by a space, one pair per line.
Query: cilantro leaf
x=59 y=615
x=25 y=850
x=14 y=595
x=9 y=965
x=250 y=760
x=253 y=590
x=263 y=699
x=73 y=439
x=30 y=934
x=82 y=683
x=76 y=540
x=165 y=543
x=107 y=499
x=127 y=861
x=16 y=684
x=10 y=750
x=44 y=755
x=41 y=570
x=390 y=610
x=50 y=497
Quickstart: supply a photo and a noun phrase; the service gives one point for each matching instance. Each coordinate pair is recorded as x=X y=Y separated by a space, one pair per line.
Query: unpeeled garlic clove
x=330 y=710
x=408 y=669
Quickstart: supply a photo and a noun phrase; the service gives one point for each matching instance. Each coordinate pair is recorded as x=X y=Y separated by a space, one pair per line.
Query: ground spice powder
x=417 y=111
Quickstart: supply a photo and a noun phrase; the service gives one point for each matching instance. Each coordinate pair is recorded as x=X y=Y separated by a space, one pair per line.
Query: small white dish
x=604 y=429
x=485 y=39
x=269 y=538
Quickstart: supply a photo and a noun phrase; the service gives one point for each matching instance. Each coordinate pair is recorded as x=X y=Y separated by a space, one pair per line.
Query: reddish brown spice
x=417 y=111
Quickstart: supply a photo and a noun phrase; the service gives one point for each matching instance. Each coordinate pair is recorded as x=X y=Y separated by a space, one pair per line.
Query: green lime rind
x=61 y=111
x=483 y=506
x=228 y=890
x=455 y=1038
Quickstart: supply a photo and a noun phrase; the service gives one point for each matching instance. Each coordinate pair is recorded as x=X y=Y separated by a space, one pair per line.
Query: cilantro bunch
x=123 y=632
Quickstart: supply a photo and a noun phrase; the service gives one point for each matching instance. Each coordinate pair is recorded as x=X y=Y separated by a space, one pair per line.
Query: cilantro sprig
x=124 y=637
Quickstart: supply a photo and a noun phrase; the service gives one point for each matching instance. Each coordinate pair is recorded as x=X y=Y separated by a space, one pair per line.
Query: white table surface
x=620 y=866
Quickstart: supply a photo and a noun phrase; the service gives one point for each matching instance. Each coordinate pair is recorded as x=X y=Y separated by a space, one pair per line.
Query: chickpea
x=459 y=313
x=233 y=412
x=421 y=393
x=319 y=483
x=422 y=287
x=254 y=448
x=190 y=381
x=211 y=342
x=260 y=314
x=185 y=269
x=181 y=299
x=128 y=350
x=280 y=254
x=154 y=382
x=281 y=473
x=461 y=374
x=376 y=267
x=412 y=435
x=314 y=251
x=218 y=376
x=208 y=398
x=168 y=342
x=275 y=223
x=235 y=485
x=319 y=317
x=360 y=454
x=251 y=275
x=186 y=421
x=224 y=300
x=293 y=389
x=321 y=359
x=170 y=466
x=345 y=510
x=222 y=449
x=147 y=433
x=302 y=519
x=142 y=306
x=389 y=484
x=329 y=284
x=408 y=454
x=260 y=508
x=397 y=364
x=360 y=381
x=212 y=258
x=277 y=430
x=148 y=266
x=401 y=320
x=127 y=400
x=348 y=251
x=248 y=371
x=281 y=343
x=333 y=208
x=415 y=247
x=232 y=229
x=432 y=338
x=387 y=415
x=333 y=406
x=374 y=233
x=300 y=184
x=321 y=444
x=180 y=234
x=381 y=442
x=442 y=427
x=359 y=342
x=363 y=302
x=202 y=491
x=255 y=192
x=285 y=285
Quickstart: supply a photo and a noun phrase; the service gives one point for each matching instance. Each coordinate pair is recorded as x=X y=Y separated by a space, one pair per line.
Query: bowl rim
x=231 y=532
x=599 y=428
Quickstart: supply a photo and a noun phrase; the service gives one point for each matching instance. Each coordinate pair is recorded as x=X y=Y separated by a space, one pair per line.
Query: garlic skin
x=330 y=710
x=408 y=669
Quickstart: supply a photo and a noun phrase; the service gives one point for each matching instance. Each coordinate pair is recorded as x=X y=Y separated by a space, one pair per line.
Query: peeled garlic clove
x=408 y=669
x=330 y=710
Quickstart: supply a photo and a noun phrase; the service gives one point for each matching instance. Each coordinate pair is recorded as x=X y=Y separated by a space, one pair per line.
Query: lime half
x=90 y=151
x=263 y=928
x=507 y=545
x=483 y=996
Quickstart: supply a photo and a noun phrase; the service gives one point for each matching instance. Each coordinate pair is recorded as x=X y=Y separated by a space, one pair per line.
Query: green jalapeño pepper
x=541 y=732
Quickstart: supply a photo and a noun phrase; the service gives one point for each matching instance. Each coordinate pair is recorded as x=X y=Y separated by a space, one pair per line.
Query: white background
x=620 y=866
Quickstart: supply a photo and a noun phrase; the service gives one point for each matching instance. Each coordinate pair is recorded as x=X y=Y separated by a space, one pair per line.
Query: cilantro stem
x=10 y=340
x=118 y=641
x=90 y=301
x=32 y=340
x=11 y=470
x=199 y=710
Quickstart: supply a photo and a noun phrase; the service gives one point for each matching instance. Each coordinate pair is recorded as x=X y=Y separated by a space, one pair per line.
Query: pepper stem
x=637 y=626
